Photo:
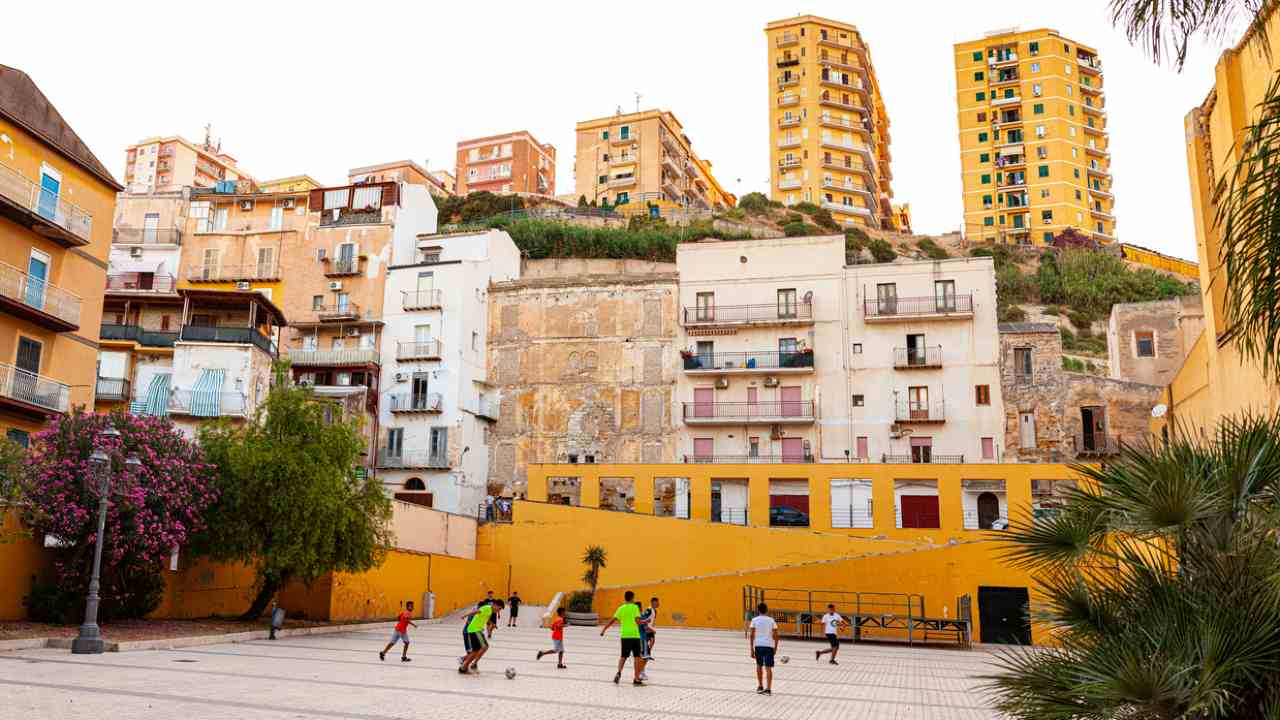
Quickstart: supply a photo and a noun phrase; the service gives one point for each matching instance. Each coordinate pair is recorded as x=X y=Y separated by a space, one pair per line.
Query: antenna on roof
x=638 y=96
x=208 y=136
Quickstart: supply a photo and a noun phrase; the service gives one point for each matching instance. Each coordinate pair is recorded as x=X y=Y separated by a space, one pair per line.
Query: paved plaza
x=697 y=674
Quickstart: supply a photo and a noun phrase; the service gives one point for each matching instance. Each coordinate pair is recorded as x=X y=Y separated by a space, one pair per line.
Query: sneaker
x=540 y=654
x=817 y=656
x=382 y=655
x=462 y=670
x=644 y=676
x=768 y=691
x=405 y=659
x=617 y=678
x=833 y=662
x=638 y=683
x=759 y=691
x=562 y=667
x=460 y=659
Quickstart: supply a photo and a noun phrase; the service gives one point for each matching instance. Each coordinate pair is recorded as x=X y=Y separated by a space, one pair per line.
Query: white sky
x=308 y=88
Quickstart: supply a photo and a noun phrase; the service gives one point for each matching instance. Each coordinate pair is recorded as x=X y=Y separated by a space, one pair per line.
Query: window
x=1038 y=108
x=787 y=303
x=1040 y=131
x=1022 y=362
x=604 y=135
x=862 y=447
x=19 y=437
x=977 y=56
x=988 y=448
x=986 y=201
x=944 y=295
x=1027 y=430
x=1043 y=171
x=982 y=117
x=984 y=157
x=982 y=394
x=395 y=442
x=988 y=221
x=986 y=178
x=1035 y=67
x=1077 y=172
x=1046 y=216
x=604 y=179
x=859 y=400
x=440 y=442
x=1078 y=195
x=1048 y=238
x=978 y=75
x=475 y=340
x=981 y=96
x=857 y=348
x=787 y=345
x=1033 y=48
x=706 y=310
x=1145 y=343
x=317 y=302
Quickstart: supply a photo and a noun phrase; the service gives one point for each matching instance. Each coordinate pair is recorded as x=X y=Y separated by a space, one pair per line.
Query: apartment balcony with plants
x=771 y=362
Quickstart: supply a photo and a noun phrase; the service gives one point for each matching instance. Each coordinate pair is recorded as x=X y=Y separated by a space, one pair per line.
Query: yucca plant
x=1158 y=586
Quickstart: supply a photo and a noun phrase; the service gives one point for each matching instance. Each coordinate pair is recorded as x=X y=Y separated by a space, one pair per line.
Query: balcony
x=669 y=142
x=671 y=163
x=494 y=157
x=847 y=187
x=850 y=167
x=788 y=80
x=907 y=358
x=861 y=126
x=746 y=459
x=489 y=409
x=838 y=103
x=333 y=358
x=1096 y=445
x=425 y=350
x=768 y=314
x=46 y=213
x=1089 y=64
x=1102 y=214
x=233 y=273
x=1094 y=170
x=112 y=389
x=776 y=412
x=786 y=122
x=785 y=62
x=789 y=183
x=412 y=459
x=142 y=283
x=788 y=142
x=619 y=160
x=1008 y=58
x=341 y=267
x=788 y=99
x=928 y=457
x=208 y=403
x=43 y=303
x=912 y=411
x=337 y=312
x=416 y=403
x=146 y=236
x=622 y=138
x=133 y=333
x=836 y=207
x=792 y=162
x=786 y=39
x=741 y=363
x=33 y=394
x=622 y=181
x=941 y=307
x=421 y=299
x=225 y=334
x=1094 y=110
x=1100 y=192
x=1014 y=100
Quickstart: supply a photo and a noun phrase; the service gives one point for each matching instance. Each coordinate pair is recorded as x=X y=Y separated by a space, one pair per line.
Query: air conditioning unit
x=353 y=332
x=135 y=252
x=242 y=285
x=246 y=204
x=290 y=203
x=771 y=381
x=722 y=383
x=335 y=285
x=775 y=432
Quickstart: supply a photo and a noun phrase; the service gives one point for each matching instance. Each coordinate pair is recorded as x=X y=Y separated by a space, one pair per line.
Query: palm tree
x=1159 y=586
x=595 y=558
x=1247 y=216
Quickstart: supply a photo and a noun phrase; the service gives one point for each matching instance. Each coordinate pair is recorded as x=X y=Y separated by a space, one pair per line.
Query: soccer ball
x=511 y=673
x=784 y=659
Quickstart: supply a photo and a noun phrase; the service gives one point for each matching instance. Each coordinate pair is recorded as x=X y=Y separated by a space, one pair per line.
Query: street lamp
x=102 y=484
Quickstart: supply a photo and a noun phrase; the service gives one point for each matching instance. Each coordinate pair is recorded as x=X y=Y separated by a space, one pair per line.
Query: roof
x=1028 y=327
x=804 y=19
x=23 y=103
x=230 y=297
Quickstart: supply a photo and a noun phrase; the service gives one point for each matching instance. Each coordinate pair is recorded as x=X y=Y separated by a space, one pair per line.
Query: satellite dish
x=1159 y=410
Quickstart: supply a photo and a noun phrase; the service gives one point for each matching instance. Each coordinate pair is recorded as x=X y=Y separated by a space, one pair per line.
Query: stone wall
x=1055 y=397
x=1175 y=325
x=584 y=355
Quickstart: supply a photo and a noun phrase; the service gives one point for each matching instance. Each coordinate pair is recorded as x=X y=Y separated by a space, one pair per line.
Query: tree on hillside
x=291 y=503
x=13 y=478
x=1071 y=238
x=1159 y=585
x=1247 y=216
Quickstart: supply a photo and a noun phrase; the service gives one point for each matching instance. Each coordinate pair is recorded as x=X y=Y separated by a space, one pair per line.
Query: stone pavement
x=698 y=674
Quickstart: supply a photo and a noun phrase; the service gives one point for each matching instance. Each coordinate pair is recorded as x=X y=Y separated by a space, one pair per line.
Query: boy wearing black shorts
x=831 y=624
x=764 y=645
x=632 y=641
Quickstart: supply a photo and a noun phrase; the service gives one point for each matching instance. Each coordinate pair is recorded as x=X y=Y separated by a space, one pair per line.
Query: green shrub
x=794 y=217
x=1012 y=286
x=539 y=239
x=735 y=214
x=1052 y=310
x=1049 y=280
x=1010 y=313
x=856 y=235
x=580 y=601
x=822 y=217
x=932 y=249
x=477 y=206
x=882 y=251
x=1080 y=320
x=754 y=203
x=807 y=208
x=795 y=229
x=1072 y=364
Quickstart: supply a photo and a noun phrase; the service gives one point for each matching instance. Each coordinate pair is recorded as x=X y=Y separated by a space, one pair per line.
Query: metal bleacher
x=894 y=617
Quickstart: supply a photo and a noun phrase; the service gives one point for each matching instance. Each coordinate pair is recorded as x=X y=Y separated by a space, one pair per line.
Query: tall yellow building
x=1034 y=151
x=828 y=130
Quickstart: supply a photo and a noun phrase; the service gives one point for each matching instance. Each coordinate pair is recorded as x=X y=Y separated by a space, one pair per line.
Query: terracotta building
x=1147 y=342
x=512 y=162
x=172 y=163
x=56 y=204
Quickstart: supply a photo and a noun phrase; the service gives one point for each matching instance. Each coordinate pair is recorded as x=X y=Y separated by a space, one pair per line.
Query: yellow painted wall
x=22 y=561
x=1160 y=261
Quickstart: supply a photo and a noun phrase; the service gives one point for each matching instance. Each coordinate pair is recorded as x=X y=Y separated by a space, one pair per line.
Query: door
x=346 y=257
x=420 y=391
x=426 y=283
x=915 y=350
x=1027 y=430
x=703 y=449
x=887 y=299
x=1093 y=424
x=1003 y=615
x=792 y=405
x=706 y=308
x=26 y=377
x=706 y=354
x=918 y=402
x=277 y=217
x=37 y=277
x=753 y=402
x=209 y=269
x=787 y=303
x=944 y=291
x=150 y=227
x=988 y=510
x=920 y=511
x=50 y=184
x=682 y=498
x=266 y=262
x=922 y=450
x=704 y=402
x=792 y=449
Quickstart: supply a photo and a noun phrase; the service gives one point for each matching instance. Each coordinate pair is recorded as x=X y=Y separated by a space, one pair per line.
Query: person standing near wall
x=764 y=645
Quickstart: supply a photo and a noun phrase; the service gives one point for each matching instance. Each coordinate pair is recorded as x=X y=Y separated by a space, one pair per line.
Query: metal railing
x=418 y=350
x=222 y=333
x=764 y=360
x=746 y=459
x=720 y=314
x=303 y=357
x=140 y=335
x=913 y=411
x=496 y=512
x=918 y=357
x=111 y=331
x=33 y=389
x=412 y=459
x=1097 y=445
x=488 y=408
x=146 y=236
x=47 y=206
x=764 y=409
x=422 y=299
x=973 y=520
x=39 y=294
x=851 y=517
x=230 y=404
x=416 y=402
x=227 y=273
x=787 y=39
x=915 y=306
x=730 y=516
x=135 y=282
x=337 y=311
x=157 y=338
x=848 y=208
x=788 y=183
x=342 y=266
x=923 y=458
x=112 y=389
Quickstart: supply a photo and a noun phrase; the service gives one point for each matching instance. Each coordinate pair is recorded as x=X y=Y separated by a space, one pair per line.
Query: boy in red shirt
x=401 y=633
x=557 y=639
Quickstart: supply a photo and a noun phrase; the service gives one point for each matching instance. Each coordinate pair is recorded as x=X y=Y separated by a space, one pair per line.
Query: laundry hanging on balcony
x=206 y=394
x=156 y=400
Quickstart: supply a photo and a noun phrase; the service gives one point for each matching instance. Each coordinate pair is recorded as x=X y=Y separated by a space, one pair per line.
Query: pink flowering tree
x=157 y=514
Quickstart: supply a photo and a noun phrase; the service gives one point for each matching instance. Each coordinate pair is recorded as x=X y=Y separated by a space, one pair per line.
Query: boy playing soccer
x=831 y=624
x=632 y=646
x=764 y=645
x=476 y=642
x=557 y=639
x=400 y=633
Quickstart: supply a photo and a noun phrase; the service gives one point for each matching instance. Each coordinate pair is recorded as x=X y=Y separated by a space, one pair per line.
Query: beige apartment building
x=644 y=159
x=828 y=129
x=169 y=163
x=403 y=171
x=513 y=162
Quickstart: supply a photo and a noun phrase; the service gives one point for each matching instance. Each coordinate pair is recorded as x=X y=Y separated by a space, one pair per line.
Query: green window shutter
x=1048 y=238
x=977 y=75
x=1034 y=47
x=981 y=96
x=1001 y=219
x=986 y=179
x=605 y=135
x=1038 y=108
x=1017 y=221
x=988 y=220
x=604 y=179
x=982 y=137
x=1043 y=171
x=986 y=199
x=977 y=56
x=1008 y=92
x=984 y=157
x=1077 y=171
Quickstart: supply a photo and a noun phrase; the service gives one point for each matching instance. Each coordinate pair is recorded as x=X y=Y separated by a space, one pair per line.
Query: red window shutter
x=390 y=194
x=316 y=201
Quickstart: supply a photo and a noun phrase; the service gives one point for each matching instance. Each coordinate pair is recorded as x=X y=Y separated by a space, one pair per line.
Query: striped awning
x=206 y=394
x=156 y=400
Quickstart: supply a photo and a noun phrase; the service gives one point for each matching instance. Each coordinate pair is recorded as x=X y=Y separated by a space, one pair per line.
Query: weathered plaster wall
x=1175 y=324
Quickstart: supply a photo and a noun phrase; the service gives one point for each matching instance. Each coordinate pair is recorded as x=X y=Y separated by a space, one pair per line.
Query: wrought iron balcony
x=337 y=312
x=425 y=350
x=417 y=403
x=412 y=459
x=37 y=300
x=422 y=299
x=772 y=313
x=889 y=308
x=911 y=411
x=208 y=403
x=341 y=267
x=925 y=457
x=734 y=413
x=141 y=282
x=1097 y=445
x=747 y=459
x=745 y=362
x=116 y=389
x=146 y=236
x=45 y=212
x=225 y=334
x=905 y=358
x=333 y=358
x=32 y=389
x=232 y=273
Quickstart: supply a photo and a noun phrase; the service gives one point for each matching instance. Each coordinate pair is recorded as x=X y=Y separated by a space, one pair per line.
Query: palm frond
x=1164 y=28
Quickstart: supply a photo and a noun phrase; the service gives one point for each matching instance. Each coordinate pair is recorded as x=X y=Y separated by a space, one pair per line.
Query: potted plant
x=580 y=610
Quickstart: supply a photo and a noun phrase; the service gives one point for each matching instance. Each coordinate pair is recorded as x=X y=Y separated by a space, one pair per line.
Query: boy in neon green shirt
x=632 y=645
x=475 y=642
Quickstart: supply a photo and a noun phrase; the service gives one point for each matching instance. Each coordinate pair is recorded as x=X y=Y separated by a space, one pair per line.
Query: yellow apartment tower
x=1034 y=152
x=828 y=130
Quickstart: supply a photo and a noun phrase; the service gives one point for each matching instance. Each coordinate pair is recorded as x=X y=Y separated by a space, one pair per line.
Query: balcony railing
x=337 y=312
x=849 y=517
x=417 y=403
x=785 y=122
x=789 y=162
x=921 y=411
x=918 y=306
x=745 y=314
x=488 y=408
x=146 y=236
x=926 y=456
x=763 y=411
x=141 y=282
x=412 y=459
x=224 y=334
x=231 y=273
x=764 y=360
x=918 y=357
x=425 y=350
x=27 y=202
x=33 y=389
x=112 y=389
x=422 y=299
x=746 y=459
x=332 y=358
x=38 y=300
x=208 y=403
x=623 y=159
x=847 y=208
x=788 y=183
x=622 y=181
x=787 y=99
x=340 y=267
x=787 y=39
x=1097 y=445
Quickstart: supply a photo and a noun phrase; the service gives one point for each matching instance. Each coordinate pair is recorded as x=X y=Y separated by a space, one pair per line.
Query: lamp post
x=100 y=482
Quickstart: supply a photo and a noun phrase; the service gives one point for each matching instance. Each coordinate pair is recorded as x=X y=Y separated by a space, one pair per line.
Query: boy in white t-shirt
x=764 y=645
x=831 y=624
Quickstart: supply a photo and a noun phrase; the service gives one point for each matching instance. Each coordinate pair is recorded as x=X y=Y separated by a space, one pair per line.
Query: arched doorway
x=413 y=492
x=414 y=484
x=988 y=510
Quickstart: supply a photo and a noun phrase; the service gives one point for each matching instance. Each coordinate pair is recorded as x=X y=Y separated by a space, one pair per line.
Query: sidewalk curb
x=178 y=643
